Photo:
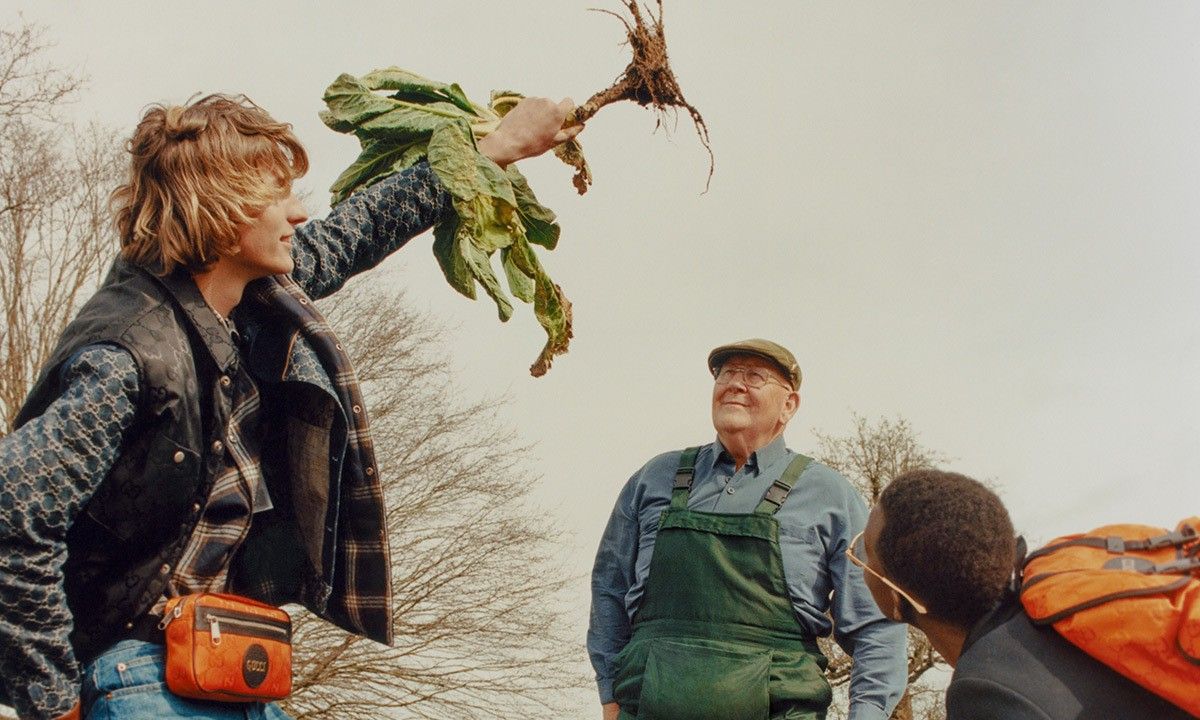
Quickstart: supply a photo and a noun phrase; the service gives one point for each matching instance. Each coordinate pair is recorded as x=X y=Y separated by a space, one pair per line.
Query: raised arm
x=370 y=225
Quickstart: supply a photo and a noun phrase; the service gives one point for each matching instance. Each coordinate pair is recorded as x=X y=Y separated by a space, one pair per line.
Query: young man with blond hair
x=198 y=427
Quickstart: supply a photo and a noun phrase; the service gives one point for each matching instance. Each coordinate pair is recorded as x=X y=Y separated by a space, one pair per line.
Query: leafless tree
x=55 y=236
x=480 y=620
x=870 y=456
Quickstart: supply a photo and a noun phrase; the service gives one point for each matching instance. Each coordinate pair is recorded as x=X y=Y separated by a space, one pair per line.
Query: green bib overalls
x=716 y=637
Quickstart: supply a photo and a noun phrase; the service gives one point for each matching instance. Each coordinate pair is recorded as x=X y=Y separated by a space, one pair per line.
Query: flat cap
x=773 y=352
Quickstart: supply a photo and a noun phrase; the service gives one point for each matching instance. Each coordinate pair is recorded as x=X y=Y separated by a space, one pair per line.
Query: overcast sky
x=981 y=216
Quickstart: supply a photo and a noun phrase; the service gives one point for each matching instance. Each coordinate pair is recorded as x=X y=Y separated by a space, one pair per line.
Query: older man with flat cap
x=722 y=564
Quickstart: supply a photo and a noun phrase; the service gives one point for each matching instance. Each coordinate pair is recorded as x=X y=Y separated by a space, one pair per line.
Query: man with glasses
x=722 y=564
x=939 y=552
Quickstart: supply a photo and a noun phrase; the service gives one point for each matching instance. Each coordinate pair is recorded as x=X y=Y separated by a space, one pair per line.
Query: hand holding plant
x=495 y=211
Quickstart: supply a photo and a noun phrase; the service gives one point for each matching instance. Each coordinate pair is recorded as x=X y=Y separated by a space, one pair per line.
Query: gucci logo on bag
x=254 y=665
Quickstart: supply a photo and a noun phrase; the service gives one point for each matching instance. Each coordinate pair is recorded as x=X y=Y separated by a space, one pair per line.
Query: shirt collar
x=213 y=333
x=1001 y=612
x=763 y=457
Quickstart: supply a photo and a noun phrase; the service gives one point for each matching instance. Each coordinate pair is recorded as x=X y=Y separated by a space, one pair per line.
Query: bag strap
x=778 y=492
x=1118 y=545
x=684 y=475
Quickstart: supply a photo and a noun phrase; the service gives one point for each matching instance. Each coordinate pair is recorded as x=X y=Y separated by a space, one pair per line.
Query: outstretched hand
x=531 y=128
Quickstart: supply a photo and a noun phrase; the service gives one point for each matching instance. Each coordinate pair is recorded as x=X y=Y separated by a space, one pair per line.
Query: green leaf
x=494 y=209
x=540 y=223
x=350 y=103
x=453 y=265
x=407 y=122
x=376 y=161
x=519 y=283
x=463 y=171
x=410 y=86
x=481 y=267
x=550 y=306
x=414 y=154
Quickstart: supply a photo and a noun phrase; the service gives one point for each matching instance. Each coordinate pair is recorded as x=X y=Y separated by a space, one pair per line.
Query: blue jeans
x=127 y=682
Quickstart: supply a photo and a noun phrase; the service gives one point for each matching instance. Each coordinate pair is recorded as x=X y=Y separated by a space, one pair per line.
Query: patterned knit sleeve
x=49 y=468
x=365 y=228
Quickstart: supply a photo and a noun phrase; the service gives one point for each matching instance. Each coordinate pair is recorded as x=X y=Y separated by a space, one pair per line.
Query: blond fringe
x=199 y=172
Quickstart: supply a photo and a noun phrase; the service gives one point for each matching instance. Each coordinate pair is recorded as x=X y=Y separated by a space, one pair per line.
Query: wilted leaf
x=520 y=284
x=494 y=209
x=453 y=265
x=376 y=161
x=571 y=152
x=539 y=220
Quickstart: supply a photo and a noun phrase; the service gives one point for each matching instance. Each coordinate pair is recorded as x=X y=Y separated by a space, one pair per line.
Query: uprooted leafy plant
x=400 y=117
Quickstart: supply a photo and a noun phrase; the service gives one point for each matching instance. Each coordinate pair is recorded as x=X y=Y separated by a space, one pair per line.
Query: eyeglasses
x=857 y=546
x=752 y=377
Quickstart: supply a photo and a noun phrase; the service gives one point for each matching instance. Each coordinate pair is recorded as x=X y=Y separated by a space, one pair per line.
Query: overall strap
x=683 y=478
x=778 y=492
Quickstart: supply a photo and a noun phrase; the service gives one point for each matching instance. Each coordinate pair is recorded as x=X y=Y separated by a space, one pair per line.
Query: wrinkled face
x=757 y=413
x=265 y=244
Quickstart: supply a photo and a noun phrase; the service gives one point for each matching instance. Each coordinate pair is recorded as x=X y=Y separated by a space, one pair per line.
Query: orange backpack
x=1129 y=596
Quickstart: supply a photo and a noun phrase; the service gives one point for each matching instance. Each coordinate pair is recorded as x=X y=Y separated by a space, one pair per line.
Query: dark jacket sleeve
x=49 y=469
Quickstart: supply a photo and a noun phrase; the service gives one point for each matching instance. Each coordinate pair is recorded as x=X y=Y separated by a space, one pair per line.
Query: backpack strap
x=1118 y=545
x=684 y=475
x=778 y=492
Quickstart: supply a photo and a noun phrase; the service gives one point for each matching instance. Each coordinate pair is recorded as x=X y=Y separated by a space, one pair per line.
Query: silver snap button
x=178 y=456
x=217 y=446
x=225 y=381
x=165 y=569
x=195 y=507
x=128 y=626
x=730 y=489
x=356 y=409
x=122 y=667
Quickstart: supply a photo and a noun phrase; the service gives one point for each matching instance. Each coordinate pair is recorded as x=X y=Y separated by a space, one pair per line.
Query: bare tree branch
x=870 y=457
x=480 y=618
x=55 y=237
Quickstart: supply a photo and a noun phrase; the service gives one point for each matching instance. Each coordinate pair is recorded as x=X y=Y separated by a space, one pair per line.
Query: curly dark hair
x=949 y=540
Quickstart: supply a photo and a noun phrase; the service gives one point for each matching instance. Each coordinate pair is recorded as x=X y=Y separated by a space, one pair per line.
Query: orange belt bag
x=228 y=648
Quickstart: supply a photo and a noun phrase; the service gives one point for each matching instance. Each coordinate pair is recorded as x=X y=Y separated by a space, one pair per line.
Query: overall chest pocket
x=712 y=680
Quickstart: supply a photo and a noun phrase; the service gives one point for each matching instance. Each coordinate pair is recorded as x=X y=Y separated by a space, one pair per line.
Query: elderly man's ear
x=790 y=406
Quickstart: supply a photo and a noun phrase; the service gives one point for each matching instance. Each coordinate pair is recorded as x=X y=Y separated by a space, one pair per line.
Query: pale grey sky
x=980 y=215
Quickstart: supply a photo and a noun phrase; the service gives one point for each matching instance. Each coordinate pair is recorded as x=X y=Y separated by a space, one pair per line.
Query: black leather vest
x=123 y=545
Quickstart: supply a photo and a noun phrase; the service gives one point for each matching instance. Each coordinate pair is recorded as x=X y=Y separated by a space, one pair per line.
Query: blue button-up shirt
x=816 y=523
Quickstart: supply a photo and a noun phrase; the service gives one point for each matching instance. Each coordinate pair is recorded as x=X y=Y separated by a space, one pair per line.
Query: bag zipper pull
x=214 y=626
x=162 y=624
